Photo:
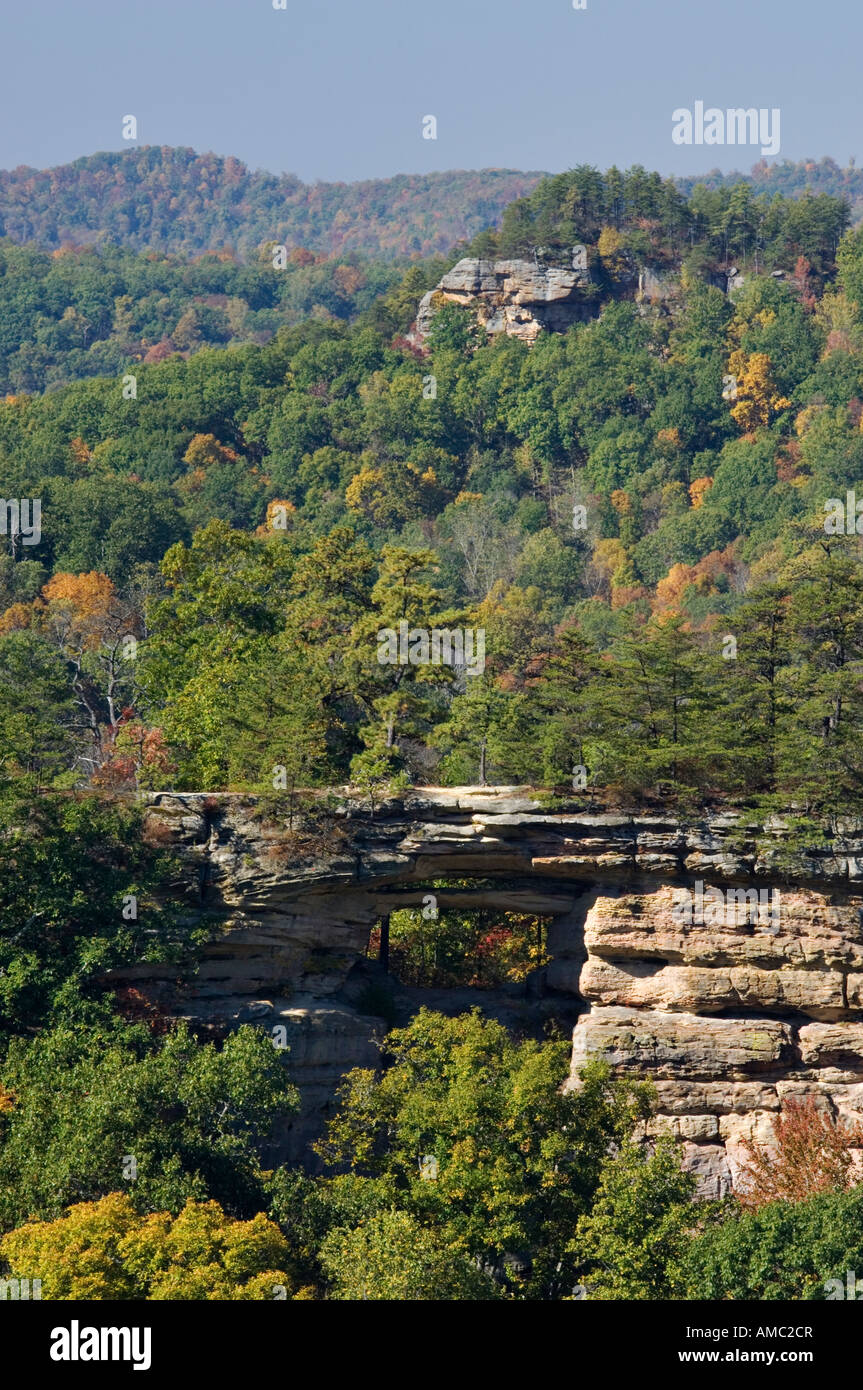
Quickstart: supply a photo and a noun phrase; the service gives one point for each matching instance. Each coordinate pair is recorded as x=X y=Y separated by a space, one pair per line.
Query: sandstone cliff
x=518 y=298
x=525 y=298
x=727 y=1019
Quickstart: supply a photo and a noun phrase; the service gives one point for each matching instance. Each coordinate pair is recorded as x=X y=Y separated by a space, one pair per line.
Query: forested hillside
x=607 y=507
x=159 y=198
x=84 y=312
x=241 y=505
x=77 y=313
x=791 y=179
x=174 y=200
x=633 y=219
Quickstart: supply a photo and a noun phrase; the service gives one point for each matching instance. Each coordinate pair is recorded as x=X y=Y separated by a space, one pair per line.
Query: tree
x=191 y=1116
x=307 y=1209
x=475 y=733
x=819 y=753
x=757 y=399
x=391 y=1256
x=655 y=712
x=36 y=709
x=212 y=661
x=205 y=450
x=110 y=524
x=454 y=329
x=812 y=1152
x=277 y=729
x=69 y=866
x=639 y=1224
x=518 y=1160
x=784 y=1250
x=404 y=695
x=569 y=693
x=90 y=626
x=755 y=705
x=850 y=262
x=105 y=1250
x=139 y=755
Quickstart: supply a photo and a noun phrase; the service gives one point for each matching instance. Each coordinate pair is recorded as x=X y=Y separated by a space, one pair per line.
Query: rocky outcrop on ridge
x=519 y=298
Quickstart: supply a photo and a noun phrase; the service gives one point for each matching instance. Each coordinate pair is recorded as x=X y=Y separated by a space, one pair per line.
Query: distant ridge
x=171 y=199
x=791 y=180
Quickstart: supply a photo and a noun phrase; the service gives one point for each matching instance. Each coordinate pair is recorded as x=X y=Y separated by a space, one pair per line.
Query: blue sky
x=336 y=89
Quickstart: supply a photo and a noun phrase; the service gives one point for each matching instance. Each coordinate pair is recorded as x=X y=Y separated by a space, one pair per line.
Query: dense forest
x=792 y=179
x=158 y=198
x=77 y=313
x=244 y=477
x=173 y=200
x=597 y=505
x=635 y=218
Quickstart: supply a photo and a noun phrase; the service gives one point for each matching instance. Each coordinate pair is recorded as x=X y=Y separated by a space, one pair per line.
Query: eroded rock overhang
x=726 y=1017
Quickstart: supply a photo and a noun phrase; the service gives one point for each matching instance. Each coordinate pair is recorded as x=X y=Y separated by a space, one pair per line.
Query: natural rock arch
x=727 y=1020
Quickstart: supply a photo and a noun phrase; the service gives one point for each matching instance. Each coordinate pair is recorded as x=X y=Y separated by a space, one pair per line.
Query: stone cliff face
x=518 y=298
x=727 y=1016
x=524 y=298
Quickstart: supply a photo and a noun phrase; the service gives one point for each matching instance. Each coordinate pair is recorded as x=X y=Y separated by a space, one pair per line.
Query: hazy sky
x=337 y=89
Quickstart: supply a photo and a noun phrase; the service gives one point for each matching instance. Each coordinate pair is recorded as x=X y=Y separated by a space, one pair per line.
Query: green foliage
x=104 y=1250
x=307 y=1209
x=36 y=709
x=191 y=1115
x=652 y=220
x=518 y=1160
x=293 y=478
x=781 y=1251
x=483 y=949
x=75 y=885
x=391 y=1256
x=664 y=712
x=639 y=1224
x=94 y=313
x=447 y=507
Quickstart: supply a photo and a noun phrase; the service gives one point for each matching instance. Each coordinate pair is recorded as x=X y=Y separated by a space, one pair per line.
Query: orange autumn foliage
x=669 y=441
x=139 y=756
x=702 y=577
x=670 y=589
x=85 y=598
x=82 y=610
x=279 y=513
x=17 y=618
x=79 y=450
x=812 y=1152
x=697 y=488
x=758 y=399
x=624 y=594
x=205 y=449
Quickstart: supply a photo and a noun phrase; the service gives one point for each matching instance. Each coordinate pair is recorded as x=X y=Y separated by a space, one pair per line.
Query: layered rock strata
x=518 y=298
x=728 y=1015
